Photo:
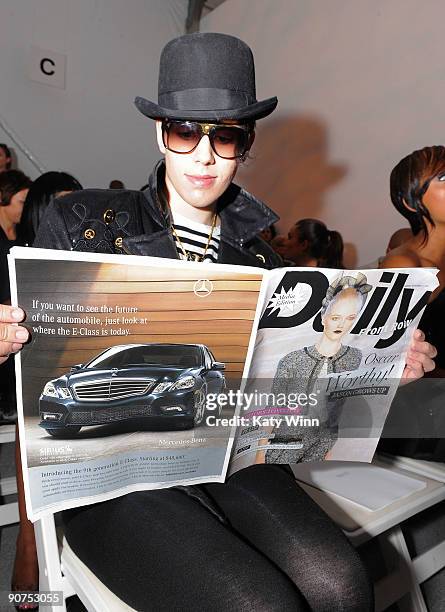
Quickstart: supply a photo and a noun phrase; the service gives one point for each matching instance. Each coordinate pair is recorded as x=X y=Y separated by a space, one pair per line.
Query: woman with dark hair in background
x=310 y=243
x=269 y=233
x=41 y=193
x=417 y=187
x=5 y=157
x=14 y=186
x=48 y=186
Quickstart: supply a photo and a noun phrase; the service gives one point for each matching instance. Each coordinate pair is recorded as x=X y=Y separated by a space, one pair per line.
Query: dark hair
x=326 y=246
x=11 y=182
x=7 y=152
x=116 y=184
x=39 y=196
x=409 y=181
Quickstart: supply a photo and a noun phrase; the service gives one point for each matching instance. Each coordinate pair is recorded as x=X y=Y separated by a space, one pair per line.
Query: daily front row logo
x=299 y=295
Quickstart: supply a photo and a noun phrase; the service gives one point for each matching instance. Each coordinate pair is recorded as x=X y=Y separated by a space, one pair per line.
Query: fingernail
x=21 y=334
x=17 y=314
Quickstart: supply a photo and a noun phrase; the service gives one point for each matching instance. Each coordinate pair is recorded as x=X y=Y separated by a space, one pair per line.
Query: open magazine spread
x=145 y=373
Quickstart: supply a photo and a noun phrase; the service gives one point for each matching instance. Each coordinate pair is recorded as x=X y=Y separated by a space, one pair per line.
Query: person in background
x=116 y=184
x=398 y=238
x=5 y=157
x=269 y=233
x=48 y=186
x=417 y=186
x=14 y=186
x=310 y=243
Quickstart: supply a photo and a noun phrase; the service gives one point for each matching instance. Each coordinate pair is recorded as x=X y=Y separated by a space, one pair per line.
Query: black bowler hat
x=207 y=77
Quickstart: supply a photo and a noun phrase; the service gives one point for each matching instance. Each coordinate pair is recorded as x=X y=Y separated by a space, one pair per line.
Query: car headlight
x=163 y=386
x=64 y=392
x=183 y=383
x=51 y=390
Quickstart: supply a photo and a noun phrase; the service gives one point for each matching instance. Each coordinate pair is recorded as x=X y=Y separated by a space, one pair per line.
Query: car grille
x=112 y=389
x=107 y=415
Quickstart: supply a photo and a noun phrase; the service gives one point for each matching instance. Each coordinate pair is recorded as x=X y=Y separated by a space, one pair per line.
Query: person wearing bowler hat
x=256 y=542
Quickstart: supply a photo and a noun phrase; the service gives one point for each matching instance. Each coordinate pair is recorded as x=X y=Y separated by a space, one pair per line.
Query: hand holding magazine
x=146 y=373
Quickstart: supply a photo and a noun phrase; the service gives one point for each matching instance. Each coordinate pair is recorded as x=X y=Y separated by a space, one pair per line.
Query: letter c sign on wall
x=47 y=67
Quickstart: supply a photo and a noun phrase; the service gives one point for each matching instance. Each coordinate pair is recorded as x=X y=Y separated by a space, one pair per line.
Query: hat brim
x=251 y=112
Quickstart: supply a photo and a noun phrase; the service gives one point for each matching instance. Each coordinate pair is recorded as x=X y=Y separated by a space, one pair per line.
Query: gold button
x=89 y=234
x=261 y=257
x=109 y=216
x=118 y=242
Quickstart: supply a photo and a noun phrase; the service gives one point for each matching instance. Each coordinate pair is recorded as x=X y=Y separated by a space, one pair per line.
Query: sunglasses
x=227 y=141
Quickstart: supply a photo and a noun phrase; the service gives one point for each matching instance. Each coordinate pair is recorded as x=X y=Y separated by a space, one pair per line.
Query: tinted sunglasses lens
x=229 y=142
x=181 y=137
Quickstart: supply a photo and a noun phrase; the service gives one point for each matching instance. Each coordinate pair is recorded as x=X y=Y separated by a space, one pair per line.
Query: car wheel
x=64 y=432
x=200 y=406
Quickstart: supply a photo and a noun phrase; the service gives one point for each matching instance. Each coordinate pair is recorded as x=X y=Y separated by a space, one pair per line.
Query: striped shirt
x=194 y=237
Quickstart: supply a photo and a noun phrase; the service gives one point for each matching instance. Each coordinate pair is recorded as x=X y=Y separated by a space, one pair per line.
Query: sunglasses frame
x=207 y=129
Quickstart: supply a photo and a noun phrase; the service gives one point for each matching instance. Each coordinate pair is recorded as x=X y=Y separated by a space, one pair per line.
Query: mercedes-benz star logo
x=203 y=287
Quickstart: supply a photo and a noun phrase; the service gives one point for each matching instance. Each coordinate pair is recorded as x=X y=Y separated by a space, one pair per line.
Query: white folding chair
x=360 y=525
x=61 y=570
x=9 y=512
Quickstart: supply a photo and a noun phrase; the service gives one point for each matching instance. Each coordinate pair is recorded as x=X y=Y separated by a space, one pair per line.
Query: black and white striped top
x=194 y=236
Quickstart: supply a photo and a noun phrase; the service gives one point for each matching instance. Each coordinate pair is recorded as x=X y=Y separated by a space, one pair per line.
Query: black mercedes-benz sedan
x=132 y=382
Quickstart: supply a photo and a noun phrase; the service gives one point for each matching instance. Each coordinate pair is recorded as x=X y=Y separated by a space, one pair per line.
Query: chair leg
x=50 y=577
x=402 y=581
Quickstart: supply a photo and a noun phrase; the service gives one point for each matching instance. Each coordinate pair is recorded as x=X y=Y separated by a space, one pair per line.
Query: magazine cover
x=112 y=387
x=329 y=352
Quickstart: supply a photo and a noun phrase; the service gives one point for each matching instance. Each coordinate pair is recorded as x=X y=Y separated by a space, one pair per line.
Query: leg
x=266 y=506
x=162 y=550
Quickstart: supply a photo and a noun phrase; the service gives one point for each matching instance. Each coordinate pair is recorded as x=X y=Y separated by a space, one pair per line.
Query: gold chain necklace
x=194 y=256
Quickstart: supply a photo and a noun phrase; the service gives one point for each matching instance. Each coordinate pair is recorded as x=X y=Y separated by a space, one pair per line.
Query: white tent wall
x=360 y=85
x=91 y=128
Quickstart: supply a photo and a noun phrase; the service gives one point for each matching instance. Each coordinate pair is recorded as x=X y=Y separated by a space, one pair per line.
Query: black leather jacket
x=136 y=223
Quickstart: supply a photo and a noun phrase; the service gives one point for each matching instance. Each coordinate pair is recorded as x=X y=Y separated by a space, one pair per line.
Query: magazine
x=145 y=373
